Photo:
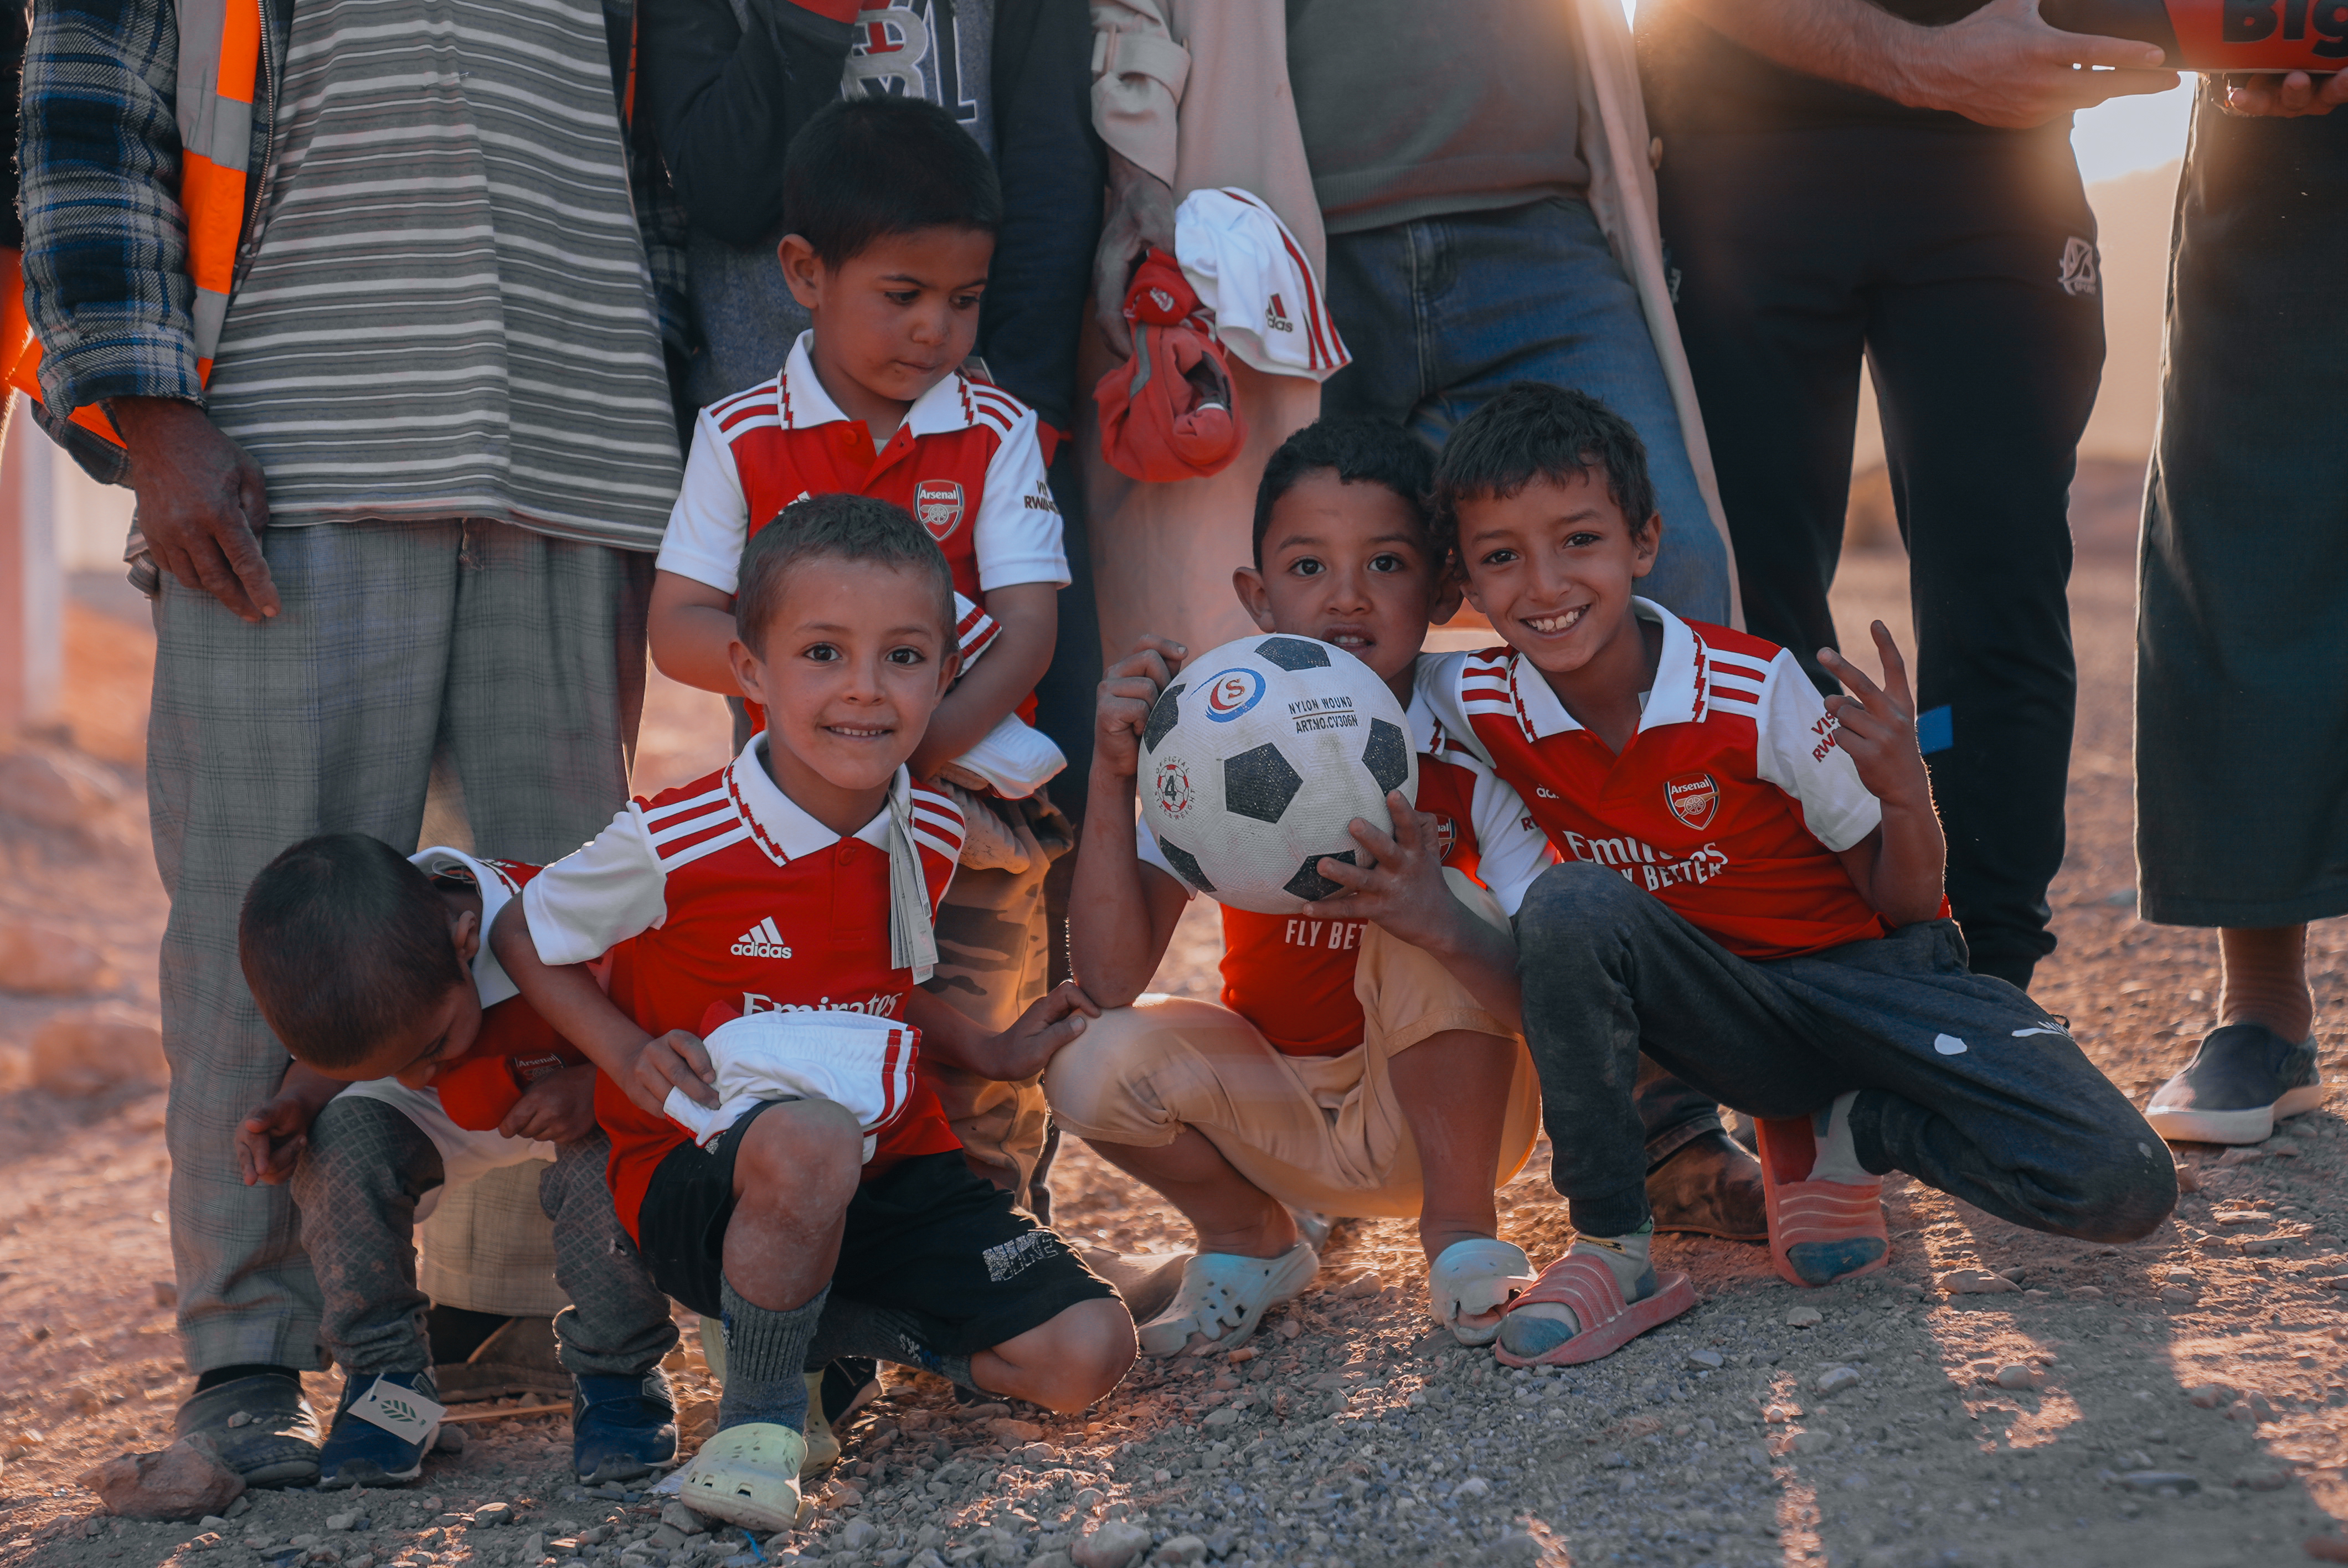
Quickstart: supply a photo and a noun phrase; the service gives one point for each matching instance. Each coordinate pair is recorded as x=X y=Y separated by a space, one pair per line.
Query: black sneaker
x=2243 y=1077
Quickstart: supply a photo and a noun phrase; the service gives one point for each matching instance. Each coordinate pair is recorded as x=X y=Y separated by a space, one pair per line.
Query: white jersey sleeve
x=1511 y=851
x=1017 y=536
x=1799 y=750
x=599 y=895
x=711 y=520
x=1436 y=682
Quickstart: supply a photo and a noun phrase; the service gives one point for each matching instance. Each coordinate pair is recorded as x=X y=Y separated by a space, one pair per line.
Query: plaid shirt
x=105 y=249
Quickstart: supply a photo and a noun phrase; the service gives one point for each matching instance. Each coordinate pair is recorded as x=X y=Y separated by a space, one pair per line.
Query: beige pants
x=1322 y=1133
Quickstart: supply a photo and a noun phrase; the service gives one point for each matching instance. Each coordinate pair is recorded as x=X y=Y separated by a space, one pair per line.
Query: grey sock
x=765 y=1352
x=853 y=1327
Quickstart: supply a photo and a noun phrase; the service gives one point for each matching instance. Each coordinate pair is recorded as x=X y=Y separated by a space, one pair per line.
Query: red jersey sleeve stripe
x=680 y=855
x=681 y=814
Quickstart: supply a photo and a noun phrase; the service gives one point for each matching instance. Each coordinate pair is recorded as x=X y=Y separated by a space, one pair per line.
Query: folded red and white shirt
x=861 y=1063
x=1253 y=281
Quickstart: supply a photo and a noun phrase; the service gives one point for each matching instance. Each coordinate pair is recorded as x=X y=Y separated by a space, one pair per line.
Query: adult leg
x=1989 y=339
x=2240 y=666
x=1534 y=293
x=321 y=719
x=1770 y=257
x=1374 y=298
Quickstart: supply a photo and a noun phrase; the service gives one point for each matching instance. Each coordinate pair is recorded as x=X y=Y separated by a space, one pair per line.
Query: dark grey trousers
x=1963 y=1082
x=356 y=1188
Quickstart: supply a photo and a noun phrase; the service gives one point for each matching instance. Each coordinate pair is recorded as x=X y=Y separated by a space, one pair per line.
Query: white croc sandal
x=1471 y=1284
x=748 y=1475
x=1224 y=1296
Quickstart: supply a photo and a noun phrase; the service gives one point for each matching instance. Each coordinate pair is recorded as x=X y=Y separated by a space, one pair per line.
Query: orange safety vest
x=215 y=146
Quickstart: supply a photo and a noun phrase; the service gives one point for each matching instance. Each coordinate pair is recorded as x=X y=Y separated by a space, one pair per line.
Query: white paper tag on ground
x=403 y=1412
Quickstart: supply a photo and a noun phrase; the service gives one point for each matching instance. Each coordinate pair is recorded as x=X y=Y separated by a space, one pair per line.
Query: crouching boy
x=1751 y=891
x=803 y=877
x=1364 y=1059
x=416 y=1066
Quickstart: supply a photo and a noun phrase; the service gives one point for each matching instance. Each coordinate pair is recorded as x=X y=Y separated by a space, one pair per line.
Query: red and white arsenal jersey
x=1729 y=805
x=515 y=1047
x=738 y=899
x=965 y=462
x=1291 y=976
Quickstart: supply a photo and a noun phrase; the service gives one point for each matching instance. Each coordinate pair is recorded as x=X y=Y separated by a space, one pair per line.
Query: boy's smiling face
x=1347 y=563
x=893 y=319
x=1554 y=567
x=855 y=659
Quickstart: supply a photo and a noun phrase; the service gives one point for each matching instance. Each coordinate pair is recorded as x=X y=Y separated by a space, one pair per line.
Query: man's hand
x=1140 y=215
x=1877 y=727
x=270 y=1138
x=559 y=1107
x=1125 y=696
x=674 y=1061
x=1402 y=886
x=2283 y=97
x=2003 y=66
x=1027 y=1047
x=202 y=502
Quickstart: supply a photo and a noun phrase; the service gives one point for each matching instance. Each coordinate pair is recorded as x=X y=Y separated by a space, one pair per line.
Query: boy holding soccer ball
x=1750 y=893
x=1396 y=1010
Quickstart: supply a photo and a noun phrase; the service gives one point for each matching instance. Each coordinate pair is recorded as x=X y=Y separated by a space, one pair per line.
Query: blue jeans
x=1443 y=313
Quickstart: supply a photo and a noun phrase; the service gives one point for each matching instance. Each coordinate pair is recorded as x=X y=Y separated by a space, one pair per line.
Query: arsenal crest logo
x=1693 y=799
x=937 y=503
x=1446 y=837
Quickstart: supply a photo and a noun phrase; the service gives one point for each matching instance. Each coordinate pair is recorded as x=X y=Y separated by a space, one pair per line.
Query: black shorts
x=926 y=1237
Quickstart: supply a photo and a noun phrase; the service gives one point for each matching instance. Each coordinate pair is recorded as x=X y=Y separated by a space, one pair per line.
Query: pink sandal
x=1819 y=1232
x=1608 y=1322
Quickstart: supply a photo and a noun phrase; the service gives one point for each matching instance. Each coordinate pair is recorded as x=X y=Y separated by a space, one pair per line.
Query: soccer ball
x=1257 y=756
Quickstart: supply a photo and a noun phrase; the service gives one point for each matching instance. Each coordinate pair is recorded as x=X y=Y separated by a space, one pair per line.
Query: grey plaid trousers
x=513 y=659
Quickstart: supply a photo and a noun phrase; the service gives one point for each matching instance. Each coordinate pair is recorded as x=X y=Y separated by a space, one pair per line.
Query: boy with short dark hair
x=893 y=211
x=802 y=878
x=417 y=1067
x=1751 y=893
x=1363 y=1060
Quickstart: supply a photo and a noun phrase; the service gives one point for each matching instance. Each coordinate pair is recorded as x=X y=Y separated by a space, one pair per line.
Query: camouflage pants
x=995 y=958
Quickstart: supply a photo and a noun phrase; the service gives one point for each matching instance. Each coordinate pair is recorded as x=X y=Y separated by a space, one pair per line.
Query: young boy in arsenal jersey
x=416 y=1066
x=802 y=877
x=1394 y=1007
x=1750 y=891
x=893 y=210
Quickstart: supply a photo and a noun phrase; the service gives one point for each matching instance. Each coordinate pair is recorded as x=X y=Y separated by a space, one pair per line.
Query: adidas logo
x=761 y=941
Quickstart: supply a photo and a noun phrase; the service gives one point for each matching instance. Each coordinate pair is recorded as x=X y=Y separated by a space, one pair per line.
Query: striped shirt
x=450 y=313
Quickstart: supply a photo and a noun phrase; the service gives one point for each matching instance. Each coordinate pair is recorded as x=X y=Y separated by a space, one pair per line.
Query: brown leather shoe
x=1710 y=1186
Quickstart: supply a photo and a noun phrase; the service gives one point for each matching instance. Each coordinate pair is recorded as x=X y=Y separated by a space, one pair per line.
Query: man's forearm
x=1842 y=40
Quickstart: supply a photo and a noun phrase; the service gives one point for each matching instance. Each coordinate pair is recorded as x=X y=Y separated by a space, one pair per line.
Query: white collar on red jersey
x=780 y=824
x=803 y=403
x=490 y=977
x=1676 y=697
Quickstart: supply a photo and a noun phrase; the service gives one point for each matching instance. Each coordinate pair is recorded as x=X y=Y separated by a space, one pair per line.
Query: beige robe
x=1196 y=92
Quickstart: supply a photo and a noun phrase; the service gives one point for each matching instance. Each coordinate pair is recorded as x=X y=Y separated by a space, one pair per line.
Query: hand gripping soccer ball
x=1256 y=757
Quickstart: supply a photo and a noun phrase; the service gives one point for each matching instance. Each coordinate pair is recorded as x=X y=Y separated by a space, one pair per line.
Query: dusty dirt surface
x=2181 y=1401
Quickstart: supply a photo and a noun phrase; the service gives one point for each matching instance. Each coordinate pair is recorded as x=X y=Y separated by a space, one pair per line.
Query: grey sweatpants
x=1963 y=1082
x=357 y=1187
x=515 y=659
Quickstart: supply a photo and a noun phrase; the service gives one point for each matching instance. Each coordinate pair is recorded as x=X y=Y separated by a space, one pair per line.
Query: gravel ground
x=2182 y=1401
